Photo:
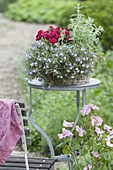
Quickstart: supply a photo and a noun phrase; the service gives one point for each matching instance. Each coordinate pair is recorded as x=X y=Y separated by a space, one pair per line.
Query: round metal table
x=93 y=83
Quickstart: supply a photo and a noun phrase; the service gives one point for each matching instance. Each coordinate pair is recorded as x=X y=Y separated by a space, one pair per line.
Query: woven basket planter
x=66 y=81
x=79 y=81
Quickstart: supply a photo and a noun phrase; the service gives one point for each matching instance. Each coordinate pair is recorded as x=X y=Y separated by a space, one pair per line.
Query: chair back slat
x=27 y=131
x=21 y=104
x=25 y=122
x=28 y=141
x=23 y=110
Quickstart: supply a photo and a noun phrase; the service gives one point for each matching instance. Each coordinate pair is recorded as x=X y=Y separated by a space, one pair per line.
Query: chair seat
x=18 y=163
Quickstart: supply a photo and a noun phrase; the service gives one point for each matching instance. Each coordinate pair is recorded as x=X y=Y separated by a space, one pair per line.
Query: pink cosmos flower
x=94 y=107
x=99 y=132
x=111 y=133
x=60 y=136
x=88 y=167
x=67 y=124
x=95 y=154
x=65 y=133
x=87 y=109
x=108 y=141
x=80 y=131
x=106 y=127
x=96 y=120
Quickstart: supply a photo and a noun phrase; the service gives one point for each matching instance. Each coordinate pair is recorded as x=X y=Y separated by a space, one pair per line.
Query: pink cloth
x=10 y=128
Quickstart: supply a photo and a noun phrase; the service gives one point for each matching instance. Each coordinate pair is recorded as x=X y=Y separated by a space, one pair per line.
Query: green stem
x=92 y=155
x=76 y=161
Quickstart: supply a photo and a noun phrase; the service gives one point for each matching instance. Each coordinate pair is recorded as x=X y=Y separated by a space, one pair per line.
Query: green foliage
x=104 y=94
x=58 y=64
x=101 y=11
x=36 y=11
x=92 y=138
x=84 y=31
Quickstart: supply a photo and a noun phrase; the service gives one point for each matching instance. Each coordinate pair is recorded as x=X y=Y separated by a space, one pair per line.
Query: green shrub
x=104 y=94
x=101 y=11
x=36 y=11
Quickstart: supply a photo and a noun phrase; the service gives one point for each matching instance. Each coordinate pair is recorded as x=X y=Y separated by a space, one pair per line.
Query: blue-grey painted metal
x=83 y=97
x=39 y=129
x=78 y=109
x=93 y=83
x=65 y=158
x=43 y=133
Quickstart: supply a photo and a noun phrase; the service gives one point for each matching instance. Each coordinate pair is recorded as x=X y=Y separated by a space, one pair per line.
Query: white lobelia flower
x=49 y=60
x=32 y=64
x=75 y=55
x=68 y=71
x=83 y=49
x=61 y=54
x=61 y=77
x=83 y=65
x=72 y=77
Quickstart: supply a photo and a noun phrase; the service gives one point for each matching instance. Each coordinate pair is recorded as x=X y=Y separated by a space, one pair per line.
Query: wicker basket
x=78 y=81
x=66 y=82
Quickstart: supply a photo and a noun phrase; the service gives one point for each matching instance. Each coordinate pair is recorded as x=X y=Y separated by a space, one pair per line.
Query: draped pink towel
x=10 y=128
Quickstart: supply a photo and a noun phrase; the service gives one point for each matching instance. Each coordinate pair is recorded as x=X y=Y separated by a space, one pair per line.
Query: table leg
x=39 y=129
x=78 y=108
x=83 y=97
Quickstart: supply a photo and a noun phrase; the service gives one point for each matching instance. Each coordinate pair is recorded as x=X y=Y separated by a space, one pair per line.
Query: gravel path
x=14 y=39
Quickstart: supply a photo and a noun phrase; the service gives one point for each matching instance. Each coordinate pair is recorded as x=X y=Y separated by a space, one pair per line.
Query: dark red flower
x=53 y=41
x=67 y=34
x=53 y=34
x=51 y=27
x=58 y=28
x=67 y=29
x=39 y=35
x=40 y=32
